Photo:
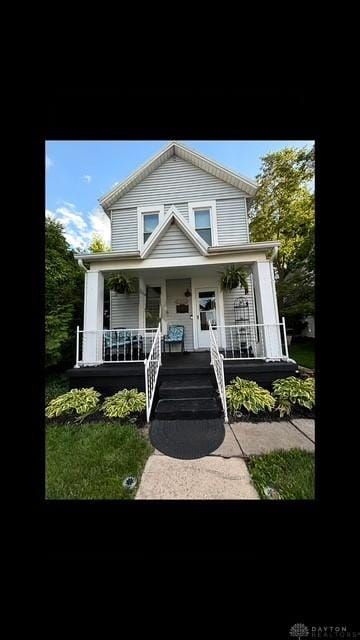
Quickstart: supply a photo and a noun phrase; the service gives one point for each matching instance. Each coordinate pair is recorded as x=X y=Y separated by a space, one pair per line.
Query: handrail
x=217 y=361
x=152 y=366
x=113 y=346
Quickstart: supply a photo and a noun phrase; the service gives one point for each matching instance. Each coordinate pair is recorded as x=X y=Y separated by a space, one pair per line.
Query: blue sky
x=78 y=173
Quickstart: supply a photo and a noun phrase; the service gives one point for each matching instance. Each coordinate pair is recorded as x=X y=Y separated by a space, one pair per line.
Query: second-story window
x=203 y=224
x=151 y=221
x=202 y=217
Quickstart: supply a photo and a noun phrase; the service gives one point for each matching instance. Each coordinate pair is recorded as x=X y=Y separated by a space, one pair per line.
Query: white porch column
x=267 y=309
x=93 y=317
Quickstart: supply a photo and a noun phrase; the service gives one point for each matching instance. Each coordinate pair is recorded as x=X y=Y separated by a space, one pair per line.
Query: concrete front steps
x=186 y=399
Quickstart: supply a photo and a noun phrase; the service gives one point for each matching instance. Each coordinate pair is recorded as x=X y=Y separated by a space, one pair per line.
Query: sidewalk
x=223 y=475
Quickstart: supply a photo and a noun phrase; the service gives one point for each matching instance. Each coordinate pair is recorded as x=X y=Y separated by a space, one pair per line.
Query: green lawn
x=303 y=353
x=290 y=473
x=92 y=460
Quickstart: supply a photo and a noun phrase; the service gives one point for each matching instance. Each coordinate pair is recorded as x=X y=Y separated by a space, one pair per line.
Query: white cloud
x=100 y=224
x=79 y=228
x=48 y=162
x=114 y=185
x=49 y=214
x=86 y=179
x=69 y=217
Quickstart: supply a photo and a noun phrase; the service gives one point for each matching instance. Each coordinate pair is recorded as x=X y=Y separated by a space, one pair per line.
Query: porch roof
x=251 y=247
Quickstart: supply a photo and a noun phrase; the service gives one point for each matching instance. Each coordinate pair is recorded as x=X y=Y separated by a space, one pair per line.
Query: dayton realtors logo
x=300 y=631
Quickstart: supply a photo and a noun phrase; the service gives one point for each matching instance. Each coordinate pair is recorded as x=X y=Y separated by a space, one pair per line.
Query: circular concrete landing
x=187 y=439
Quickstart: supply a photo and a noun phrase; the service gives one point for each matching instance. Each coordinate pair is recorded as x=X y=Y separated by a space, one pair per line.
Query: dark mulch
x=138 y=421
x=272 y=416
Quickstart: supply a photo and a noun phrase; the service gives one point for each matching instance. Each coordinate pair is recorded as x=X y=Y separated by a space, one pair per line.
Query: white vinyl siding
x=175 y=290
x=124 y=310
x=182 y=207
x=176 y=181
x=174 y=244
x=232 y=221
x=229 y=299
x=124 y=230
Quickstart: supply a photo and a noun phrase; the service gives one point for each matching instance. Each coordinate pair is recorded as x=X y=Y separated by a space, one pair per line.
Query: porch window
x=151 y=221
x=152 y=309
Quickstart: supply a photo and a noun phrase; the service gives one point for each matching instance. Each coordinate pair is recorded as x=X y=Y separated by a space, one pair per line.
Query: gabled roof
x=173 y=215
x=194 y=157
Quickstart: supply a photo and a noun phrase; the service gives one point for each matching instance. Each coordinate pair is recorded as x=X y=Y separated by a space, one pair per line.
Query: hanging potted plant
x=120 y=283
x=233 y=277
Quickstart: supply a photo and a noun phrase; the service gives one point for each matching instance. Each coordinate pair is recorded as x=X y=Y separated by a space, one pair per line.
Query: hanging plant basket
x=233 y=277
x=120 y=283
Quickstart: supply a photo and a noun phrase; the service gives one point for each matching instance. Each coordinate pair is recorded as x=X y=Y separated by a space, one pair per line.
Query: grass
x=303 y=353
x=90 y=462
x=56 y=384
x=290 y=473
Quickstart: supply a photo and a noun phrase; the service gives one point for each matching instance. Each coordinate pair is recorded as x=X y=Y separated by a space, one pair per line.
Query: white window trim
x=157 y=208
x=205 y=204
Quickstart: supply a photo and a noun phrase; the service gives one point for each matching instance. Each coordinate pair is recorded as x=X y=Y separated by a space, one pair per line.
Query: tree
x=64 y=282
x=283 y=209
x=98 y=245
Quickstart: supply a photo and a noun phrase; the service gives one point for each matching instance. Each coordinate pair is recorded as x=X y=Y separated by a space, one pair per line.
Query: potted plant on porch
x=233 y=277
x=121 y=283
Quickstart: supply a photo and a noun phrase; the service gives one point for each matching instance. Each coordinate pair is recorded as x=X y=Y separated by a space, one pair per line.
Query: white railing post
x=77 y=366
x=285 y=340
x=152 y=365
x=217 y=361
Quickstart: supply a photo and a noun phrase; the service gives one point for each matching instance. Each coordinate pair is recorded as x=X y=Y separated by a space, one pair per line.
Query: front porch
x=109 y=378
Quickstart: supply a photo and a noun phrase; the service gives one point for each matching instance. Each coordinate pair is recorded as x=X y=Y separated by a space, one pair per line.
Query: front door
x=205 y=312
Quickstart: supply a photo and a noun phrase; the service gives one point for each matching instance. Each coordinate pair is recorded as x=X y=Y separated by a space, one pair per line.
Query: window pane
x=146 y=236
x=150 y=222
x=152 y=308
x=205 y=234
x=202 y=219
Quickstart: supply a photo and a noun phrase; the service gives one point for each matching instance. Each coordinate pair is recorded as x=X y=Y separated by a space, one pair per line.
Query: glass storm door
x=206 y=313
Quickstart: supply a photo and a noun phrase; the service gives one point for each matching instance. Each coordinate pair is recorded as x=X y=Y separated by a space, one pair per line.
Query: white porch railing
x=112 y=346
x=248 y=341
x=152 y=366
x=217 y=361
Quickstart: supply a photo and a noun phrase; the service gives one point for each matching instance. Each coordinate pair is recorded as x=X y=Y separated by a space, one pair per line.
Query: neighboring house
x=176 y=224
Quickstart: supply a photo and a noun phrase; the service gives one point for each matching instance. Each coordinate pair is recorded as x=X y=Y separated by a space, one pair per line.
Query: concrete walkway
x=208 y=478
x=223 y=475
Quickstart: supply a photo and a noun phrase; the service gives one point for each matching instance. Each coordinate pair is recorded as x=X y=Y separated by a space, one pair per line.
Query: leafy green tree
x=64 y=282
x=98 y=245
x=283 y=209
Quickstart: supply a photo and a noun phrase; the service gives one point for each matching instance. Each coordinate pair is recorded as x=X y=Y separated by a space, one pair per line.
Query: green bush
x=292 y=391
x=123 y=403
x=81 y=402
x=246 y=394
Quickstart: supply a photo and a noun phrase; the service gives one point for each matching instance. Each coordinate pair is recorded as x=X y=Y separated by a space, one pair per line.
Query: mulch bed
x=138 y=421
x=272 y=416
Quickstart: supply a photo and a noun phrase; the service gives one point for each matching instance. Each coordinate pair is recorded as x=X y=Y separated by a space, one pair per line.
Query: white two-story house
x=177 y=224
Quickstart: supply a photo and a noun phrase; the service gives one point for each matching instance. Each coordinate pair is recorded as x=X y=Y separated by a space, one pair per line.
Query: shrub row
x=82 y=403
x=287 y=393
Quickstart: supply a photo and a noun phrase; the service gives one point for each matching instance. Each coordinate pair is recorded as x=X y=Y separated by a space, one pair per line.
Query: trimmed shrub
x=123 y=403
x=246 y=394
x=80 y=402
x=289 y=392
